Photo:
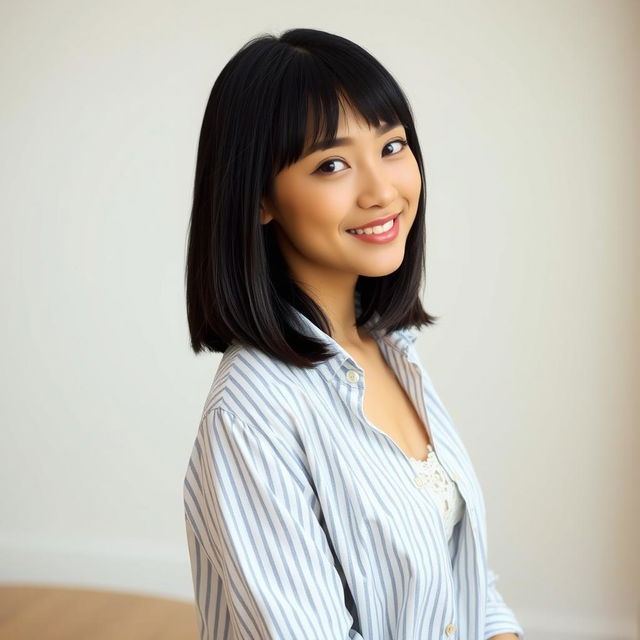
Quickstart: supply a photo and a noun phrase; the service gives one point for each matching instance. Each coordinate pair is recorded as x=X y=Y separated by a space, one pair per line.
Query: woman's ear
x=265 y=212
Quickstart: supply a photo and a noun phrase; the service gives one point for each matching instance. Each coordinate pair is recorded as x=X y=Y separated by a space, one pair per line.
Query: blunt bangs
x=319 y=87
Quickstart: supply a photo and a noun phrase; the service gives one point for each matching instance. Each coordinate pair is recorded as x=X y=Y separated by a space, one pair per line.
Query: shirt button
x=450 y=629
x=353 y=376
x=419 y=481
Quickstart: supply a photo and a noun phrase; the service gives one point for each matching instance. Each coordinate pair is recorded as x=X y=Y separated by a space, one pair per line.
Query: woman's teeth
x=381 y=228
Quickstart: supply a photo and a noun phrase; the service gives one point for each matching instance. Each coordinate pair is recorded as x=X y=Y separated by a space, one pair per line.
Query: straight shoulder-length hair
x=262 y=104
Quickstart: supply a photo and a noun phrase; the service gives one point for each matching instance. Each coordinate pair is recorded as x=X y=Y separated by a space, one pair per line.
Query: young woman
x=328 y=495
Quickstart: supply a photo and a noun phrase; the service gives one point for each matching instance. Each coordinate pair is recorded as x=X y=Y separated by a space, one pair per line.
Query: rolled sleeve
x=262 y=565
x=499 y=617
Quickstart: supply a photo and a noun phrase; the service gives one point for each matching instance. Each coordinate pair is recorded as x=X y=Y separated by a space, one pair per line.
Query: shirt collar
x=400 y=339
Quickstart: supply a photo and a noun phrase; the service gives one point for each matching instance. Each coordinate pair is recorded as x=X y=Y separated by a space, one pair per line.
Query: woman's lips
x=377 y=222
x=379 y=238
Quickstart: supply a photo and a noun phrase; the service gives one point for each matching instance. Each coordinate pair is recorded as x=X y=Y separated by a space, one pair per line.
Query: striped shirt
x=306 y=521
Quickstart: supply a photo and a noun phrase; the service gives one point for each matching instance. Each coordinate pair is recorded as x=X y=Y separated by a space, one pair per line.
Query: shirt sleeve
x=500 y=618
x=261 y=562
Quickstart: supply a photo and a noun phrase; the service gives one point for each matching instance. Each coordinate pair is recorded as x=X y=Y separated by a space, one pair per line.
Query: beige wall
x=528 y=119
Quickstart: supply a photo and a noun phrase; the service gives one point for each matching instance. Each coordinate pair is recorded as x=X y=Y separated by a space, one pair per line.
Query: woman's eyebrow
x=322 y=145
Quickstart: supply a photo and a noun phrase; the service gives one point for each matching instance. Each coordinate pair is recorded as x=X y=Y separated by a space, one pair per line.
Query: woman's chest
x=388 y=405
x=362 y=424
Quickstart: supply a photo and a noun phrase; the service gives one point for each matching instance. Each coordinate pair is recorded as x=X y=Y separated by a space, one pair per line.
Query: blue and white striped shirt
x=303 y=519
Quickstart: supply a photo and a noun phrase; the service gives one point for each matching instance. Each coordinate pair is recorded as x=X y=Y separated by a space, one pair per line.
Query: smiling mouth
x=376 y=229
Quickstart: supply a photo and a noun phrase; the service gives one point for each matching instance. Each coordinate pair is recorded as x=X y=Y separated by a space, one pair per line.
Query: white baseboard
x=542 y=625
x=144 y=568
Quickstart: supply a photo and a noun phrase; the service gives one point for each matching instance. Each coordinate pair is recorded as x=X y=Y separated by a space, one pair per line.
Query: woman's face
x=371 y=175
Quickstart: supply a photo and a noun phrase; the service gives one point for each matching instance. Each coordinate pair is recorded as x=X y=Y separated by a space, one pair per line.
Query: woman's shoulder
x=256 y=387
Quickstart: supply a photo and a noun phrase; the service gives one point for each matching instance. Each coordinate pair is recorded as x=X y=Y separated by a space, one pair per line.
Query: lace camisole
x=443 y=489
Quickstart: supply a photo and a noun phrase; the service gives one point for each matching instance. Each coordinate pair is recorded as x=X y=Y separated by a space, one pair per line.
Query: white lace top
x=443 y=489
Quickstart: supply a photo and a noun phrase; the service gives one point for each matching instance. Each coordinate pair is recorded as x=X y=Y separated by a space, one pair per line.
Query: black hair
x=255 y=124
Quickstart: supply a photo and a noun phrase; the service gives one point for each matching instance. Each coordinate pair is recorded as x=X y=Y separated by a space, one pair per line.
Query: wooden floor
x=58 y=613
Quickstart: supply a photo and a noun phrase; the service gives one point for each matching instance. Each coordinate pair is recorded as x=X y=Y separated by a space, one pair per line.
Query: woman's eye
x=327 y=164
x=403 y=143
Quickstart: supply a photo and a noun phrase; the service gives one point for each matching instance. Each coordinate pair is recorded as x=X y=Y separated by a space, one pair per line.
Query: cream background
x=528 y=118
